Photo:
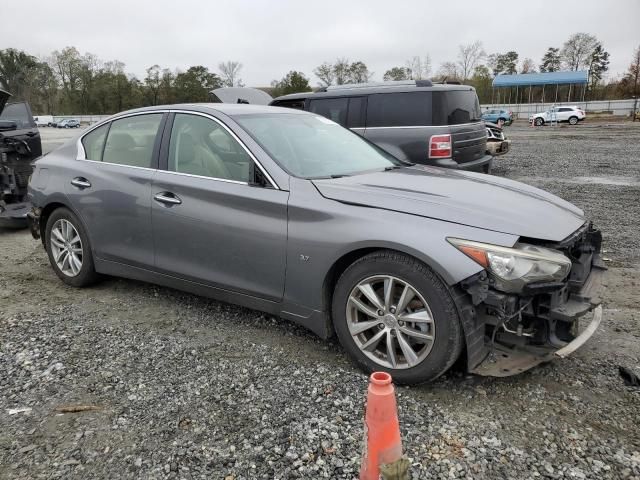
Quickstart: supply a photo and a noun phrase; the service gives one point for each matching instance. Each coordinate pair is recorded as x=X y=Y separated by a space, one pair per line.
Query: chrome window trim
x=81 y=154
x=238 y=182
x=118 y=164
x=237 y=139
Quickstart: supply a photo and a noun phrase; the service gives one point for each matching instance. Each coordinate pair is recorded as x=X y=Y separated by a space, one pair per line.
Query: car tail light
x=440 y=146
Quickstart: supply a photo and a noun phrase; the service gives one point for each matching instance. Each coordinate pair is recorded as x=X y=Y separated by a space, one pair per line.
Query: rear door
x=111 y=187
x=212 y=222
x=564 y=113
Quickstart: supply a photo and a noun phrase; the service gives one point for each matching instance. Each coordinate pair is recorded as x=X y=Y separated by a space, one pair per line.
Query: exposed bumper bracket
x=504 y=362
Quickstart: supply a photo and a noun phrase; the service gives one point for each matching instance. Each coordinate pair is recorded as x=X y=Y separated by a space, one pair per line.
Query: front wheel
x=501 y=122
x=393 y=313
x=538 y=122
x=69 y=250
x=573 y=120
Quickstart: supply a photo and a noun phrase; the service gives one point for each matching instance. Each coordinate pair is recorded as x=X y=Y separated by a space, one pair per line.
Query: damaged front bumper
x=541 y=323
x=497 y=143
x=33 y=219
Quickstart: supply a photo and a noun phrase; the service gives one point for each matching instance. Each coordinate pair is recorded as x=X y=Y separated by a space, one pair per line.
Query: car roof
x=230 y=109
x=356 y=91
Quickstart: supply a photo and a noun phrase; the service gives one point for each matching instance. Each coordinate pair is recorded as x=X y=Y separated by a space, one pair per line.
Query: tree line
x=69 y=82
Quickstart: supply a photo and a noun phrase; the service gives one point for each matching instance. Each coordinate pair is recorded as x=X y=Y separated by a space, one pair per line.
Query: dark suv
x=416 y=121
x=19 y=146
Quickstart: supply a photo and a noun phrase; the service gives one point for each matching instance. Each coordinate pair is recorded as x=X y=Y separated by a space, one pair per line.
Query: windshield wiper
x=392 y=167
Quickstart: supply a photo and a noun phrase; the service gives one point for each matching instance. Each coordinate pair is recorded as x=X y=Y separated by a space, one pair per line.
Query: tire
x=501 y=122
x=431 y=357
x=86 y=275
x=538 y=122
x=573 y=120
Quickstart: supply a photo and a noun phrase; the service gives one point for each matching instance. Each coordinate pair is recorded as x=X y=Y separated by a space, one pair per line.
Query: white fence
x=613 y=107
x=520 y=110
x=90 y=119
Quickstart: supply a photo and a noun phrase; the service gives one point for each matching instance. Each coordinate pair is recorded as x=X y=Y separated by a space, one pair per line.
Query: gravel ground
x=185 y=387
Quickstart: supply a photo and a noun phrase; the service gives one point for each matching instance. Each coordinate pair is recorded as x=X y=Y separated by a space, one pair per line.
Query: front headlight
x=513 y=268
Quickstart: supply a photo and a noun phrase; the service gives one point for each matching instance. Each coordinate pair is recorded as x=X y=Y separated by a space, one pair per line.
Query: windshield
x=311 y=146
x=19 y=113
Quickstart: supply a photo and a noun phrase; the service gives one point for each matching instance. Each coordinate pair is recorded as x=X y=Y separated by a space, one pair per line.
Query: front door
x=211 y=223
x=111 y=187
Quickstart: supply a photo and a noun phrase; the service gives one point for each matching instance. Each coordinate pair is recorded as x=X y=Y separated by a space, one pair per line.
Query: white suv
x=572 y=114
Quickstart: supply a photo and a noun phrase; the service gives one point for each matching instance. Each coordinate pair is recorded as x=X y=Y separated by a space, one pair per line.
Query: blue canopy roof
x=548 y=78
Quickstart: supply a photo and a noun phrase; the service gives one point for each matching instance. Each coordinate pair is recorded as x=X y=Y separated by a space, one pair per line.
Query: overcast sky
x=271 y=37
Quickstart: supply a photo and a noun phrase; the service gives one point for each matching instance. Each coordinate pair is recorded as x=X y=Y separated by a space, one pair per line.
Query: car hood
x=4 y=96
x=473 y=199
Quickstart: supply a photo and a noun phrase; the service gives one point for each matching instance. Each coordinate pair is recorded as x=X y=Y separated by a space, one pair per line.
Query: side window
x=297 y=104
x=333 y=108
x=200 y=146
x=565 y=109
x=399 y=109
x=93 y=143
x=356 y=113
x=130 y=140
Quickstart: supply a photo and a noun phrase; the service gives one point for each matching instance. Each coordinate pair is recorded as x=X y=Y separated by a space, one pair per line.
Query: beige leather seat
x=193 y=157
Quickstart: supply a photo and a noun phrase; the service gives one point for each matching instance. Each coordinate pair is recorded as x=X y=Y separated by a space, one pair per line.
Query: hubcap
x=66 y=247
x=390 y=322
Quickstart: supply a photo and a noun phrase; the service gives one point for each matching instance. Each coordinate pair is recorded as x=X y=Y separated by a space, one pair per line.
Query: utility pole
x=635 y=85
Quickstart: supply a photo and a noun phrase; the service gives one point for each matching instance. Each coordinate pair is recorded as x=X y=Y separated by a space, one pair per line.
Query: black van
x=416 y=121
x=19 y=145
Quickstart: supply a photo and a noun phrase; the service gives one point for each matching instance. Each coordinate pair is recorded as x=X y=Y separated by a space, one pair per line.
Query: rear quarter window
x=399 y=109
x=456 y=107
x=93 y=143
x=332 y=108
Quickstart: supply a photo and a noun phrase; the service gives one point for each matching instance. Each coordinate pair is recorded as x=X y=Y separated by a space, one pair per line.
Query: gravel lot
x=186 y=387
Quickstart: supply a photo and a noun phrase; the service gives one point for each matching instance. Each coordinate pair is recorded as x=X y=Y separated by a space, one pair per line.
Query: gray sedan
x=286 y=212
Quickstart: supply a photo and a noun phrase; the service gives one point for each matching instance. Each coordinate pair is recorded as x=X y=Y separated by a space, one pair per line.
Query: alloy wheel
x=390 y=322
x=66 y=247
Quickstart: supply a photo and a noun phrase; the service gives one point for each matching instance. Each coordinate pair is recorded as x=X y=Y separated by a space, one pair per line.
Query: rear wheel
x=573 y=120
x=392 y=313
x=538 y=122
x=69 y=250
x=501 y=122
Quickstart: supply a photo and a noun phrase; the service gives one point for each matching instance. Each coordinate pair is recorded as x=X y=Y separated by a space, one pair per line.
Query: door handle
x=81 y=183
x=167 y=198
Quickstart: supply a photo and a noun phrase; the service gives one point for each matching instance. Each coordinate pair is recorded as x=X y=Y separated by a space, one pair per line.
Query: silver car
x=287 y=212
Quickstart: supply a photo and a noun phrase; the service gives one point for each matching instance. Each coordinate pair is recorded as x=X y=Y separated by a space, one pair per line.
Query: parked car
x=287 y=212
x=497 y=143
x=498 y=116
x=43 y=120
x=68 y=123
x=415 y=121
x=19 y=145
x=573 y=115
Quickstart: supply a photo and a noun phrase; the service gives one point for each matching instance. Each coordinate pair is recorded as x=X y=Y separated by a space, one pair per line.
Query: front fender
x=322 y=231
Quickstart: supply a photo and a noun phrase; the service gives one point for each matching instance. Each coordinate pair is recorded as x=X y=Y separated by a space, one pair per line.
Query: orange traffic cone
x=382 y=430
